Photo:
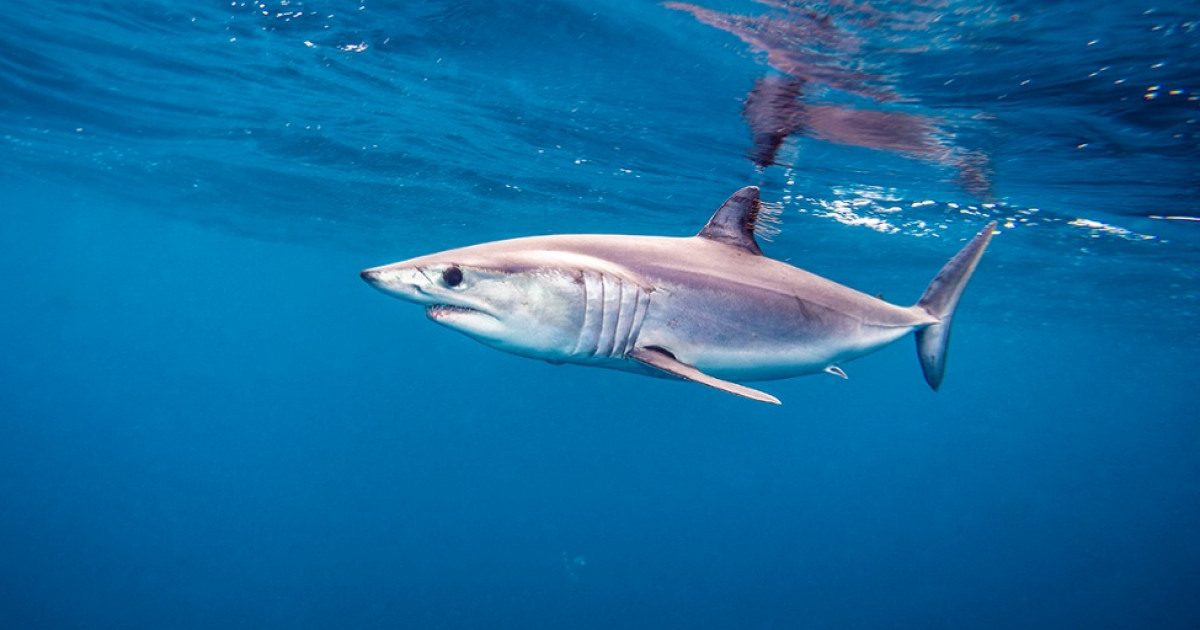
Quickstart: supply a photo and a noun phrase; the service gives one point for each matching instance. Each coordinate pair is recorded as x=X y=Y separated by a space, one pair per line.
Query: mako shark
x=709 y=308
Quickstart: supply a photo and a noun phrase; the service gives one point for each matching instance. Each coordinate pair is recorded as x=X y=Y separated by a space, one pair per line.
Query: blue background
x=207 y=420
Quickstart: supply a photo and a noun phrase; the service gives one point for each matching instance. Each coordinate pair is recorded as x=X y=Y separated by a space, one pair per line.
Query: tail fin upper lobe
x=940 y=300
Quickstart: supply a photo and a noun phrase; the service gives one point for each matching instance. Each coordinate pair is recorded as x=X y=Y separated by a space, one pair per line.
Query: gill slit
x=610 y=315
x=641 y=305
x=589 y=329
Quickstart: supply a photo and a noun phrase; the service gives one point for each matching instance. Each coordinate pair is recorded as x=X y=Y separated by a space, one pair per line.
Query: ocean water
x=208 y=421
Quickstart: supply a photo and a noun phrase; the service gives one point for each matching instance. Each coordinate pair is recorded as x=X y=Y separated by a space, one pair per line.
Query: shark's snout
x=370 y=276
x=387 y=280
x=406 y=283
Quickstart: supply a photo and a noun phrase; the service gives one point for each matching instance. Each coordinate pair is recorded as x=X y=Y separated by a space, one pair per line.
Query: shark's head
x=512 y=300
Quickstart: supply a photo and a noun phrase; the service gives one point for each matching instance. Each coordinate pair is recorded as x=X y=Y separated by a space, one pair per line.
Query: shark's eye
x=452 y=276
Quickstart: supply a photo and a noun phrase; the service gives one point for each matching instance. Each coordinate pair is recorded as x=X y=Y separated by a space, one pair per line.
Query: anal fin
x=660 y=359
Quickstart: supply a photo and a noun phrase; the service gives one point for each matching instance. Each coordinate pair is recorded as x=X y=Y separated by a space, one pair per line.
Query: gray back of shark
x=709 y=308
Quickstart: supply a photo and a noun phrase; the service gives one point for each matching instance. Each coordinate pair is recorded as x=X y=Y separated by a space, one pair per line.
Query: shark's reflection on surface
x=821 y=85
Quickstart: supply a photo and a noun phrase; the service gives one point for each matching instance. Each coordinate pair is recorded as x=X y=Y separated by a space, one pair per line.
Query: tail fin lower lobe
x=940 y=300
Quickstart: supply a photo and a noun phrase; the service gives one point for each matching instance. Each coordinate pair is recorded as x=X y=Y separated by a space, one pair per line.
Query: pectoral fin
x=660 y=359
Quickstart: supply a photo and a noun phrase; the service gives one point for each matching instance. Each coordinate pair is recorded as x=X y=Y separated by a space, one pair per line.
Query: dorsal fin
x=733 y=223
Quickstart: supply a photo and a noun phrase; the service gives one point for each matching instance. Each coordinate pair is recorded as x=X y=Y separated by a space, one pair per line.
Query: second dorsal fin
x=733 y=223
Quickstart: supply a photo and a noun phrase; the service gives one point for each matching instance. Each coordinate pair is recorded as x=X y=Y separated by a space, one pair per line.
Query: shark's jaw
x=527 y=310
x=420 y=285
x=451 y=314
x=447 y=311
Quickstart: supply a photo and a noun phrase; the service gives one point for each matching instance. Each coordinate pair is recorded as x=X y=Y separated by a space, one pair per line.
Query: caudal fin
x=940 y=300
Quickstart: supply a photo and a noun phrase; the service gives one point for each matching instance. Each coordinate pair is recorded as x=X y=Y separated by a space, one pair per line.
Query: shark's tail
x=940 y=299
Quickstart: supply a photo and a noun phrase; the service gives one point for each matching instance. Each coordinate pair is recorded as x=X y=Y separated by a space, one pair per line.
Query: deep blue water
x=208 y=421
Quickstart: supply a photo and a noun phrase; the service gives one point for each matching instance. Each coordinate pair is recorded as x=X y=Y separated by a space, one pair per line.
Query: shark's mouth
x=438 y=311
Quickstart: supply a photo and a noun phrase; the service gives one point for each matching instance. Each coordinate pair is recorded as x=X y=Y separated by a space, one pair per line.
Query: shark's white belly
x=749 y=338
x=769 y=361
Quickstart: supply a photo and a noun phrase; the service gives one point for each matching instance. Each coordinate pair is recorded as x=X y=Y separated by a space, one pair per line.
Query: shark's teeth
x=435 y=311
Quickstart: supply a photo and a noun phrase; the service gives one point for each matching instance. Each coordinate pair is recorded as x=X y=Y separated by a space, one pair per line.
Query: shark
x=710 y=308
